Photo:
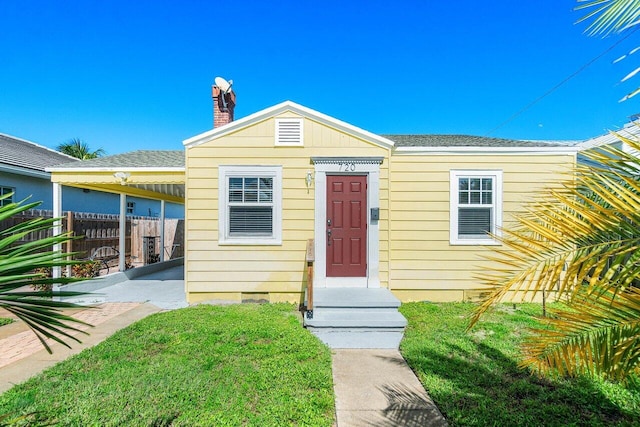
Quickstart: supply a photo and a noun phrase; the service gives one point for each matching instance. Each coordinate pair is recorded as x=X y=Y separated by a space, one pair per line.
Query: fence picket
x=103 y=230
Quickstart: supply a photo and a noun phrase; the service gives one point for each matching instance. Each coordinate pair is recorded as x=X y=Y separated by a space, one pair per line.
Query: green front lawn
x=474 y=380
x=200 y=366
x=255 y=365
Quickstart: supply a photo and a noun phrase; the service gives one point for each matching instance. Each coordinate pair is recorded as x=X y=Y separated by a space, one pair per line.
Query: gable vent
x=289 y=132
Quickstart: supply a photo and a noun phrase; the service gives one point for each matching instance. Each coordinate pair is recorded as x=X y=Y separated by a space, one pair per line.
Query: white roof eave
x=24 y=171
x=487 y=150
x=630 y=130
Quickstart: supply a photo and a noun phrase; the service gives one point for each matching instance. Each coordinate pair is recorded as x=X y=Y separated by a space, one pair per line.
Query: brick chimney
x=222 y=114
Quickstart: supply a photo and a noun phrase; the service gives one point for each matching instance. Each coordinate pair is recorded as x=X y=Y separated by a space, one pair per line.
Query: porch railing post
x=310 y=259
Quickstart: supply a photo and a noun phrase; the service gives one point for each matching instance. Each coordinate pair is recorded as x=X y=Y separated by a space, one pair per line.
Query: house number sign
x=347 y=167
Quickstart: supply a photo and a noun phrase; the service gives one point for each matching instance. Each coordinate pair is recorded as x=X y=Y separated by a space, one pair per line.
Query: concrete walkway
x=377 y=388
x=162 y=288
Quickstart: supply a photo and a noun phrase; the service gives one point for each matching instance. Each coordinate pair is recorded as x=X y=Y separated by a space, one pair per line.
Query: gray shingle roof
x=134 y=159
x=25 y=154
x=463 y=141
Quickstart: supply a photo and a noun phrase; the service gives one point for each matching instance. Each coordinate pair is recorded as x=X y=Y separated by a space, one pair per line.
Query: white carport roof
x=154 y=174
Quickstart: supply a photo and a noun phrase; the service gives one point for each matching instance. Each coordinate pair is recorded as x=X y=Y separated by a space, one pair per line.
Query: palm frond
x=76 y=147
x=609 y=16
x=18 y=261
x=600 y=335
x=582 y=241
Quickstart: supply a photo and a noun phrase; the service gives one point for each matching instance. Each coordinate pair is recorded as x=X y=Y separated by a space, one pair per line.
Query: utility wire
x=556 y=87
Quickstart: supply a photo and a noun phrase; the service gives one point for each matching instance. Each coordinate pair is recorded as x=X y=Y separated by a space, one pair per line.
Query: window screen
x=250 y=206
x=475 y=206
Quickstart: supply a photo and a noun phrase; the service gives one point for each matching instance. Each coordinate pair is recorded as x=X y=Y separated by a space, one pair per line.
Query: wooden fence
x=99 y=230
x=149 y=228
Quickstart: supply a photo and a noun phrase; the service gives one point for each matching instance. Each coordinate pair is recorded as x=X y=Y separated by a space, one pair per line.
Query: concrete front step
x=359 y=338
x=354 y=297
x=356 y=318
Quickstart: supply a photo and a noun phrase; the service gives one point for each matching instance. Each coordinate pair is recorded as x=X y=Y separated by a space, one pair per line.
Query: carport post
x=122 y=242
x=57 y=227
x=162 y=214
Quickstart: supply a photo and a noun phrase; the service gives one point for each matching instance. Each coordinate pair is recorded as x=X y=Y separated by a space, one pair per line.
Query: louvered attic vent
x=289 y=132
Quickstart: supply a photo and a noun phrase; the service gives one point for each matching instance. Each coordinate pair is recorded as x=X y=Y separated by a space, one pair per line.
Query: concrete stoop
x=356 y=318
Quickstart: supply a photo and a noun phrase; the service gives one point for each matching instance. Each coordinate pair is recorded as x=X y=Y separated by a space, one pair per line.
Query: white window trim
x=10 y=199
x=224 y=172
x=453 y=206
x=279 y=142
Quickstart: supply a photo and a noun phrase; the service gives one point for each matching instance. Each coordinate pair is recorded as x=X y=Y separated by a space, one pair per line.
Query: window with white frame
x=4 y=191
x=250 y=204
x=131 y=207
x=475 y=206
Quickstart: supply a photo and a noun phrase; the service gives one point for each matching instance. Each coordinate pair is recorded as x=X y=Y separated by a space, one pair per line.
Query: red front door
x=346 y=226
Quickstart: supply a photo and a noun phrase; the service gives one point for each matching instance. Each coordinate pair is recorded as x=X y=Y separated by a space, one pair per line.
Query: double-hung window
x=476 y=206
x=250 y=205
x=4 y=191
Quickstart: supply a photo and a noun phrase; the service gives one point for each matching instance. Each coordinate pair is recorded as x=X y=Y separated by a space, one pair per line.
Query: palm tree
x=582 y=242
x=79 y=149
x=20 y=262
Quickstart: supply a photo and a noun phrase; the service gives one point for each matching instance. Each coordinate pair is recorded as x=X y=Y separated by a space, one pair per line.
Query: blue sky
x=125 y=75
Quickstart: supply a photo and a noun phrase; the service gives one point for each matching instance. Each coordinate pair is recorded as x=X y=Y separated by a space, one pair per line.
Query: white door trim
x=369 y=166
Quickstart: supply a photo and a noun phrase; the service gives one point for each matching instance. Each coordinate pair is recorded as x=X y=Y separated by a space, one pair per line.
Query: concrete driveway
x=162 y=287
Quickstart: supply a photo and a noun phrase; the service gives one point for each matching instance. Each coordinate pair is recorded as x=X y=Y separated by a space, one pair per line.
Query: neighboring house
x=630 y=130
x=22 y=172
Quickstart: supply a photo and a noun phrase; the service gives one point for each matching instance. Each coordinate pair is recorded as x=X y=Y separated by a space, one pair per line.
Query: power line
x=556 y=87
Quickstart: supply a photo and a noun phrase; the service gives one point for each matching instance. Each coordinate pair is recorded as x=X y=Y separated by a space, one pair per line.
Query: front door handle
x=329 y=237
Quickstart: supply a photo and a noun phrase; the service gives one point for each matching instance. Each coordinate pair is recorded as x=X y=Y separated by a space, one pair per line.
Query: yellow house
x=409 y=213
x=405 y=217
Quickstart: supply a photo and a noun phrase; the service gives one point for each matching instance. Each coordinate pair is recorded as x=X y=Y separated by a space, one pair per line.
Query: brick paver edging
x=23 y=344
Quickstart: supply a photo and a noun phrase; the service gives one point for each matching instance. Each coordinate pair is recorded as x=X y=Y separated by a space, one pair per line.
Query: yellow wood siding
x=423 y=264
x=416 y=260
x=227 y=271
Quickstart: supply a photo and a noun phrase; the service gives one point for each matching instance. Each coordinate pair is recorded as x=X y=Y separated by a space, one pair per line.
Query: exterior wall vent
x=289 y=132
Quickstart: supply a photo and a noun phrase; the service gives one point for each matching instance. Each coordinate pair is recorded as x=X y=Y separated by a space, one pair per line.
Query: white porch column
x=57 y=226
x=122 y=247
x=162 y=215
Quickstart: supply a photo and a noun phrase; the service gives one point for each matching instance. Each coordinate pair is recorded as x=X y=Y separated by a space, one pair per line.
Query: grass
x=250 y=365
x=5 y=321
x=474 y=379
x=254 y=365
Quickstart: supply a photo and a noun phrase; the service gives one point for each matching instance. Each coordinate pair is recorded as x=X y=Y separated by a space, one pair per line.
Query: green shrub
x=86 y=269
x=45 y=273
